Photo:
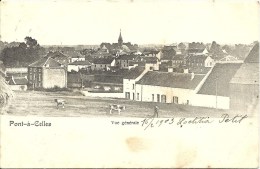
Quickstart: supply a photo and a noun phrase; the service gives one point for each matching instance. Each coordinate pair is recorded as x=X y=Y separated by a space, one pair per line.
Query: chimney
x=192 y=76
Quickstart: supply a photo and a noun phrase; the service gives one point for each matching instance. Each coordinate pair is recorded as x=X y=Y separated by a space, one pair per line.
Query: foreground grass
x=42 y=104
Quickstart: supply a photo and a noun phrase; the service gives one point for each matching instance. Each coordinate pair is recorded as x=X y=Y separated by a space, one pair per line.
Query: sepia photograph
x=129 y=84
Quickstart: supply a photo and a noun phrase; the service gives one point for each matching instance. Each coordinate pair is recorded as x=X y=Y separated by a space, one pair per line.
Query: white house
x=167 y=87
x=129 y=82
x=77 y=65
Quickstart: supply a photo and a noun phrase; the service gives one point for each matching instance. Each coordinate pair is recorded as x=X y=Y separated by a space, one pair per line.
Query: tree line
x=20 y=54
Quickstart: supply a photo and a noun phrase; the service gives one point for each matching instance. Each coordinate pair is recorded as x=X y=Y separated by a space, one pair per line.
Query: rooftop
x=46 y=62
x=134 y=73
x=86 y=62
x=219 y=77
x=170 y=79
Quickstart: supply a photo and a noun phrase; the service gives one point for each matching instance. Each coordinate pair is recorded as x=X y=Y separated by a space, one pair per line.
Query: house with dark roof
x=178 y=60
x=47 y=73
x=167 y=87
x=244 y=85
x=149 y=62
x=59 y=57
x=129 y=82
x=123 y=61
x=17 y=83
x=103 y=63
x=214 y=92
x=198 y=51
x=168 y=52
x=79 y=64
x=199 y=61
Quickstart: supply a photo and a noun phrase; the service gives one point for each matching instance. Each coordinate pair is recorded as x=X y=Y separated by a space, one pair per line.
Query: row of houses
x=224 y=86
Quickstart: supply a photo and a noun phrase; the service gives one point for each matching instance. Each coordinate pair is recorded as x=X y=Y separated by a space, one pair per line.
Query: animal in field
x=60 y=102
x=117 y=107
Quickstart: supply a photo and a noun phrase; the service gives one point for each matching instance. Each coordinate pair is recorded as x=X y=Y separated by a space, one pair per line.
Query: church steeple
x=120 y=39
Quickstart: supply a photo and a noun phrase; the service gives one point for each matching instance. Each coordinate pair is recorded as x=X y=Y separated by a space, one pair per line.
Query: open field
x=42 y=104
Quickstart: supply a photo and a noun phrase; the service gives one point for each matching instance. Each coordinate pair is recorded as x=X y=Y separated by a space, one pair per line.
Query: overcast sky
x=74 y=22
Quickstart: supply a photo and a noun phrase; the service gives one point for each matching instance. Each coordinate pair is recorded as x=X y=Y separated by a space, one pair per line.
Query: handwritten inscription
x=183 y=121
x=152 y=122
x=235 y=119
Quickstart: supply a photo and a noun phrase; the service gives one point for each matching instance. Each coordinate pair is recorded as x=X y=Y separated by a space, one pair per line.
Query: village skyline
x=141 y=22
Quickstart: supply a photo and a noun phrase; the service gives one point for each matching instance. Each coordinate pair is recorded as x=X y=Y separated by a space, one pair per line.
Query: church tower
x=120 y=39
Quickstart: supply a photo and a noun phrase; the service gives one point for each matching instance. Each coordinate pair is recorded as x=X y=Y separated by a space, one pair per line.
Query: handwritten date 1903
x=152 y=122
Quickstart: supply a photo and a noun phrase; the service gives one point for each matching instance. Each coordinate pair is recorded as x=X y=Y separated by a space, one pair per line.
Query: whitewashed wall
x=210 y=101
x=146 y=91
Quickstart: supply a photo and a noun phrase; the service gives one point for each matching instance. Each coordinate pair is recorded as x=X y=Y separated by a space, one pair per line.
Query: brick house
x=47 y=73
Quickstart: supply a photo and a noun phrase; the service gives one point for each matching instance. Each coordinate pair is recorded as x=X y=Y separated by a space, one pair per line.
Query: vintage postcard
x=129 y=84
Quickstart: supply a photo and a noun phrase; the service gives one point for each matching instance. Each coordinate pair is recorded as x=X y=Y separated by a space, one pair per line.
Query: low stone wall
x=106 y=95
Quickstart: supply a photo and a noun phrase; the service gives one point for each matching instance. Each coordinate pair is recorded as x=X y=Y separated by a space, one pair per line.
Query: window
x=39 y=70
x=127 y=95
x=137 y=96
x=175 y=100
x=158 y=97
x=153 y=97
x=133 y=86
x=163 y=98
x=133 y=96
x=40 y=77
x=188 y=102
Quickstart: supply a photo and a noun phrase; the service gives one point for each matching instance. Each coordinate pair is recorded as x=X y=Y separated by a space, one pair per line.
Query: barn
x=244 y=86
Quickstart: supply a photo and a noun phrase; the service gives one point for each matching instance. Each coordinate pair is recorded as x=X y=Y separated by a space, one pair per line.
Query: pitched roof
x=86 y=62
x=150 y=59
x=197 y=57
x=178 y=57
x=170 y=79
x=126 y=57
x=253 y=56
x=195 y=50
x=43 y=62
x=220 y=74
x=103 y=60
x=56 y=54
x=248 y=73
x=73 y=54
x=134 y=73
